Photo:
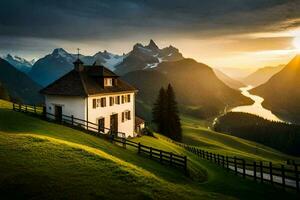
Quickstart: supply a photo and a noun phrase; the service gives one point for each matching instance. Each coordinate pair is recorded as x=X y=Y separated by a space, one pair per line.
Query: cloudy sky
x=221 y=33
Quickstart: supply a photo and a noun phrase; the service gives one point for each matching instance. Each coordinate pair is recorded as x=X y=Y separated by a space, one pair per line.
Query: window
x=123 y=99
x=117 y=99
x=98 y=103
x=111 y=101
x=108 y=82
x=103 y=102
x=101 y=124
x=94 y=103
x=126 y=115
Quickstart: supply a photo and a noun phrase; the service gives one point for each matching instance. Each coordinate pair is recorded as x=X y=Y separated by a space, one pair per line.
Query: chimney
x=78 y=65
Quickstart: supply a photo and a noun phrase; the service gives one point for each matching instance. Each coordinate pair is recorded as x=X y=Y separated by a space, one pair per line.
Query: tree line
x=278 y=135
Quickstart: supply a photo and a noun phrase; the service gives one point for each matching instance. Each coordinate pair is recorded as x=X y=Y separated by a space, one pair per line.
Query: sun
x=296 y=42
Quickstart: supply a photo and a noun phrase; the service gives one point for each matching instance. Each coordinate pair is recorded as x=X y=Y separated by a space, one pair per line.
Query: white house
x=94 y=94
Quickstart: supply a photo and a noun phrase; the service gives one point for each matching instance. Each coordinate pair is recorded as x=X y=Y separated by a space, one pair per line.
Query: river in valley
x=256 y=108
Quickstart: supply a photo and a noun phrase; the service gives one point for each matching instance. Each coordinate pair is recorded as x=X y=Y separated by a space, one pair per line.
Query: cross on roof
x=78 y=52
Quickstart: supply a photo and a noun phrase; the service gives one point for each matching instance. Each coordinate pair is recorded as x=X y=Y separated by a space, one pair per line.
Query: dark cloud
x=111 y=19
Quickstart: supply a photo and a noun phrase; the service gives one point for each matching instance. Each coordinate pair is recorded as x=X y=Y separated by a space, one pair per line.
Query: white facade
x=84 y=108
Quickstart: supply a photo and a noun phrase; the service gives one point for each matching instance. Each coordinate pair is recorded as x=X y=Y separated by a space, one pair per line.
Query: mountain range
x=59 y=62
x=199 y=92
x=20 y=63
x=17 y=86
x=147 y=57
x=281 y=92
x=261 y=75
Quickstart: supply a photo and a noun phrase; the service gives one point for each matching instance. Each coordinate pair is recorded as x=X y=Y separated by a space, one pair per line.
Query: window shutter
x=129 y=115
x=94 y=103
x=122 y=99
x=123 y=117
x=128 y=98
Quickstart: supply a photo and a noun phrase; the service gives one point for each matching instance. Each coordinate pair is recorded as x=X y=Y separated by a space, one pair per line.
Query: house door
x=114 y=123
x=101 y=125
x=58 y=113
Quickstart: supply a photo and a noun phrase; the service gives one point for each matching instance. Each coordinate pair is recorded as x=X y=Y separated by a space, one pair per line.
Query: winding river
x=256 y=108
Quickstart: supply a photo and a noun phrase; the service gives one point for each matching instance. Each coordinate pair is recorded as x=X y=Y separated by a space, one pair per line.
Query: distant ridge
x=281 y=92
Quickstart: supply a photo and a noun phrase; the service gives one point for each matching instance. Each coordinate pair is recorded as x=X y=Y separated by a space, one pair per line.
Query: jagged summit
x=152 y=45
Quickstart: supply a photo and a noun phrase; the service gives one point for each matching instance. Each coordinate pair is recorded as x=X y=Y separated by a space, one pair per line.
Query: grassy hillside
x=197 y=133
x=45 y=160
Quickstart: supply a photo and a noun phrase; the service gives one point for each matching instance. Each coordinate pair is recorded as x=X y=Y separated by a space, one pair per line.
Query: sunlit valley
x=150 y=100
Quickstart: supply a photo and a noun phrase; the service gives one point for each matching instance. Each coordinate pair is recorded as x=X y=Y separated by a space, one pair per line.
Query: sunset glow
x=296 y=43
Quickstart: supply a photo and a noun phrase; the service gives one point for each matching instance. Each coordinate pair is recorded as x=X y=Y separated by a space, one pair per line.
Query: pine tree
x=173 y=129
x=165 y=114
x=158 y=111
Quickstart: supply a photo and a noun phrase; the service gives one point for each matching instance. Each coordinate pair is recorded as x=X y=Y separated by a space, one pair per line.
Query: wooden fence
x=286 y=176
x=161 y=156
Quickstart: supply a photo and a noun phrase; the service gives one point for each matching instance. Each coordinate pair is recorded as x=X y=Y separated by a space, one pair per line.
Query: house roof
x=138 y=121
x=85 y=82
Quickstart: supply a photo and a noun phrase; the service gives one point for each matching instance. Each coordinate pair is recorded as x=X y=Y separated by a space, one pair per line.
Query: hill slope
x=262 y=75
x=18 y=86
x=50 y=161
x=285 y=100
x=234 y=84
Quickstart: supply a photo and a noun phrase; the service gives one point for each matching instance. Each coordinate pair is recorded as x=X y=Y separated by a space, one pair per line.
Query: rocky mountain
x=19 y=63
x=17 y=86
x=147 y=57
x=59 y=62
x=235 y=84
x=281 y=92
x=262 y=75
x=198 y=90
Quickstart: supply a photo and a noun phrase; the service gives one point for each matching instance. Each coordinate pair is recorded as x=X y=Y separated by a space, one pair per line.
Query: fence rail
x=161 y=156
x=286 y=176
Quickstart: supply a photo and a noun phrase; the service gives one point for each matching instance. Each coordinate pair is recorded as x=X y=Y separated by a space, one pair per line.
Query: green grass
x=197 y=133
x=42 y=160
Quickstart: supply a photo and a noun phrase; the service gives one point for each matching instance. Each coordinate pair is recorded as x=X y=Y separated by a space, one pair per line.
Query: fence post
x=297 y=177
x=34 y=108
x=261 y=171
x=244 y=168
x=254 y=170
x=223 y=164
x=185 y=164
x=139 y=147
x=25 y=108
x=218 y=159
x=20 y=107
x=215 y=158
x=13 y=106
x=171 y=158
x=235 y=166
x=72 y=121
x=227 y=163
x=44 y=111
x=150 y=152
x=210 y=156
x=271 y=172
x=283 y=176
x=124 y=143
x=160 y=156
